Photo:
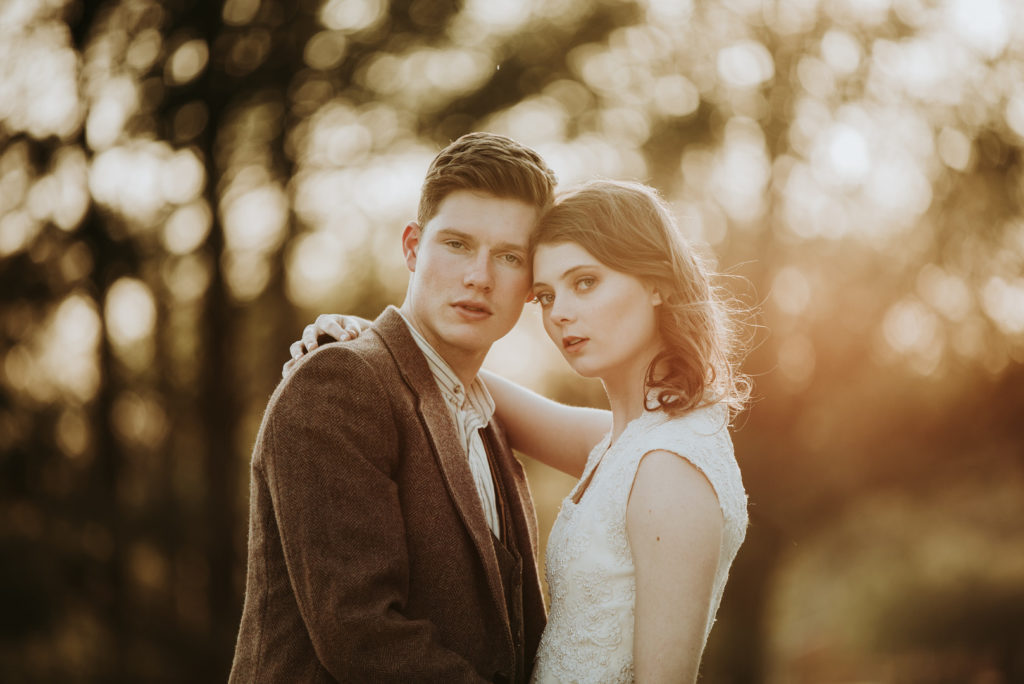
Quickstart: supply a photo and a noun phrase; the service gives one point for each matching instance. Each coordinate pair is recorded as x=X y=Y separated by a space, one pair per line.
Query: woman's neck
x=626 y=393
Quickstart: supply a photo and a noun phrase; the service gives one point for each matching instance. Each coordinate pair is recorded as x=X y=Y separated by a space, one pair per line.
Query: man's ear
x=411 y=243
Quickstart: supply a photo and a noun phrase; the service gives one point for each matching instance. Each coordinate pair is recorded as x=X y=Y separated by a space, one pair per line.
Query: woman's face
x=603 y=321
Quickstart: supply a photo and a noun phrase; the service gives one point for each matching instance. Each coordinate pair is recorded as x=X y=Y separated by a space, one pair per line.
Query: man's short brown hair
x=490 y=163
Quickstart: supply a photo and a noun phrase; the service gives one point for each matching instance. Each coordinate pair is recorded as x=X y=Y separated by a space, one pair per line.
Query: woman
x=640 y=552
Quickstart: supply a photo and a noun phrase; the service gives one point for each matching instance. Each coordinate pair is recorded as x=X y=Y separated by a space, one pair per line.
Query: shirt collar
x=476 y=398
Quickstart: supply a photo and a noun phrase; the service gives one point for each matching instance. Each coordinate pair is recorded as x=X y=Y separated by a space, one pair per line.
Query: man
x=392 y=536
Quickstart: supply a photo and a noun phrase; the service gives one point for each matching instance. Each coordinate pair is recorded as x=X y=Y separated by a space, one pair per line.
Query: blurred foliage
x=184 y=184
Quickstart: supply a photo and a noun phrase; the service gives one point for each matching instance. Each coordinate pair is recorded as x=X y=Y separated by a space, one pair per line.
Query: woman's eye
x=545 y=299
x=585 y=283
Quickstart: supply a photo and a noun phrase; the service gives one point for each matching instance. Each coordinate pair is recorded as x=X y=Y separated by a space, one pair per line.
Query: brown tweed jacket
x=370 y=559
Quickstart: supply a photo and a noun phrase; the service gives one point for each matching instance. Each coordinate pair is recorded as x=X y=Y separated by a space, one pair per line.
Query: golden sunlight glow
x=17 y=230
x=187 y=227
x=325 y=50
x=183 y=177
x=914 y=331
x=318 y=269
x=240 y=12
x=186 y=278
x=1003 y=301
x=187 y=62
x=353 y=16
x=115 y=101
x=255 y=218
x=498 y=17
x=955 y=149
x=139 y=420
x=39 y=87
x=425 y=79
x=130 y=179
x=741 y=170
x=73 y=432
x=746 y=64
x=796 y=361
x=68 y=344
x=675 y=95
x=841 y=51
x=984 y=25
x=945 y=292
x=534 y=121
x=131 y=312
x=791 y=290
x=246 y=274
x=1015 y=112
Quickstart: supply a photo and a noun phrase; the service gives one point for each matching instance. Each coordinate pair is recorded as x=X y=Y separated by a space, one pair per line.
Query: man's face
x=471 y=272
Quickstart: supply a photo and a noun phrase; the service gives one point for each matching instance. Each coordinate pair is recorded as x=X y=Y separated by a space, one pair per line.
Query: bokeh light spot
x=352 y=16
x=187 y=227
x=791 y=290
x=1003 y=301
x=187 y=62
x=325 y=50
x=745 y=64
x=130 y=312
x=255 y=219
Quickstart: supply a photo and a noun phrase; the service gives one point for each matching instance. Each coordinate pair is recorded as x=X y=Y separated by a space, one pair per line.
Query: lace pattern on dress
x=589 y=635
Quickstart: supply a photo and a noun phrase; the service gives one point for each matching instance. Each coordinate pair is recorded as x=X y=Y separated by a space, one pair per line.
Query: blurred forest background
x=185 y=183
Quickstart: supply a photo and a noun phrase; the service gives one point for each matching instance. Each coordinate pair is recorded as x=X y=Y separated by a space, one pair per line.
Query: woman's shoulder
x=704 y=427
x=701 y=436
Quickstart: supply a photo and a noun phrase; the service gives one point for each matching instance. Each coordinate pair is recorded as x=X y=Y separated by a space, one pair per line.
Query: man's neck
x=464 y=364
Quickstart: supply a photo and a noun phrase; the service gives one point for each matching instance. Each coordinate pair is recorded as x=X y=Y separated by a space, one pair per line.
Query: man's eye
x=512 y=259
x=454 y=244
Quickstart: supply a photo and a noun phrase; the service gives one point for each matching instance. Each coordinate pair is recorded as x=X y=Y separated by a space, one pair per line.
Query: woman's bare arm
x=555 y=434
x=674 y=524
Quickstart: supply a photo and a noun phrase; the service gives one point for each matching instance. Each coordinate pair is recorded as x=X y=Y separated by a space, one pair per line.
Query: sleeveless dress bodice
x=589 y=634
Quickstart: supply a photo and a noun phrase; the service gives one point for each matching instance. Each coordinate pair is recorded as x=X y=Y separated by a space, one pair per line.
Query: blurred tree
x=184 y=184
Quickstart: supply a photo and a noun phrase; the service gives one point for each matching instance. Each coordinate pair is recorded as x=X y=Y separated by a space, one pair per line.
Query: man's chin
x=476 y=336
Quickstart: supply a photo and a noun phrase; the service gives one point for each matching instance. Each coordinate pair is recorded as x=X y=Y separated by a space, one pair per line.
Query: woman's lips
x=573 y=344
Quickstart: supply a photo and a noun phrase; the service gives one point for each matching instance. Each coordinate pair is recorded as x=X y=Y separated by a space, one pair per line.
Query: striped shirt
x=471 y=410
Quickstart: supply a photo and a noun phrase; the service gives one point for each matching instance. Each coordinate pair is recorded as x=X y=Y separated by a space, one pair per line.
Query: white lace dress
x=589 y=635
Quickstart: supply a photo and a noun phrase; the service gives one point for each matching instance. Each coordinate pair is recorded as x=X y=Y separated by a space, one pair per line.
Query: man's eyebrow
x=466 y=237
x=451 y=232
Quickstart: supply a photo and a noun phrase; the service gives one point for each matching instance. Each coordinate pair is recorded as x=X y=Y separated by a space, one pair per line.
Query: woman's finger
x=330 y=325
x=309 y=337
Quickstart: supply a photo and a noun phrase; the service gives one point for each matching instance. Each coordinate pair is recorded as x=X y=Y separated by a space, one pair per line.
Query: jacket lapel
x=447 y=450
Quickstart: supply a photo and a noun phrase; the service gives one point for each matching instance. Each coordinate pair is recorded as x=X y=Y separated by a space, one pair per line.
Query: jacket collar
x=447 y=450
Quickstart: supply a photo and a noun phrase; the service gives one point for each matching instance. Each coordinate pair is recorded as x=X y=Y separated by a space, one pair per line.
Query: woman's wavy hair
x=628 y=228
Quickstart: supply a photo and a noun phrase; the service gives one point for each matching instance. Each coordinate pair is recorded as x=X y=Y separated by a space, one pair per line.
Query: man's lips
x=476 y=308
x=571 y=343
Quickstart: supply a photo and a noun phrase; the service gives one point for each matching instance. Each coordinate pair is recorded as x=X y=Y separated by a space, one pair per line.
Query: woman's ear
x=655 y=297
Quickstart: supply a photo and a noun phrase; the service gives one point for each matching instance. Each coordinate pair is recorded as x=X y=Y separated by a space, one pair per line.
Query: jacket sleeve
x=329 y=449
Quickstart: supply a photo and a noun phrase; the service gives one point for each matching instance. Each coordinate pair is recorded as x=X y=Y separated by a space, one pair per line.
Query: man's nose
x=479 y=274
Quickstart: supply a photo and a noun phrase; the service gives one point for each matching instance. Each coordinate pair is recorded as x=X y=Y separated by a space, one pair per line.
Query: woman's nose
x=561 y=311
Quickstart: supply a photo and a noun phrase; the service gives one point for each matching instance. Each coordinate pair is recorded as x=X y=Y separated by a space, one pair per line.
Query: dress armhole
x=693 y=464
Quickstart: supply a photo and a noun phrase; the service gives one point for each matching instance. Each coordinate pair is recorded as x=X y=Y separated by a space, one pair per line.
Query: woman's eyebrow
x=564 y=275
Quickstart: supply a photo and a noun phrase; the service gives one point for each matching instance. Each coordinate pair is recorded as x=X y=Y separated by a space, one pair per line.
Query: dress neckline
x=585 y=482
